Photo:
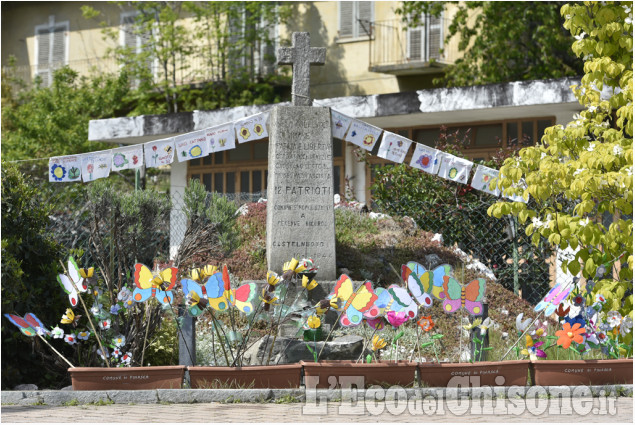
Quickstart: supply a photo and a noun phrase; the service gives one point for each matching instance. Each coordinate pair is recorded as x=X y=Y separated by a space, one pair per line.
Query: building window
x=51 y=49
x=136 y=39
x=354 y=19
x=426 y=41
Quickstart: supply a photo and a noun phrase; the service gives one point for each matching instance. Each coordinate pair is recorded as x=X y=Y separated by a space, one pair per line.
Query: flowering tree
x=580 y=177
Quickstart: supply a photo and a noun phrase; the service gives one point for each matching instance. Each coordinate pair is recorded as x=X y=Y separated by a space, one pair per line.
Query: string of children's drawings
x=199 y=144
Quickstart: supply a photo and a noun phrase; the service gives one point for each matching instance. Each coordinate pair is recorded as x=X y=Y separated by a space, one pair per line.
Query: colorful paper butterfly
x=554 y=297
x=403 y=302
x=149 y=285
x=242 y=298
x=356 y=302
x=211 y=289
x=72 y=281
x=384 y=299
x=469 y=296
x=419 y=291
x=28 y=325
x=432 y=279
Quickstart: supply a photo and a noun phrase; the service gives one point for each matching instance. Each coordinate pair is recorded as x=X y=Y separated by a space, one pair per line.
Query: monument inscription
x=300 y=216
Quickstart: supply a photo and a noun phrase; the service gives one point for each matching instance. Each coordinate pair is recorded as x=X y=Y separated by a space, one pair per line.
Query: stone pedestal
x=300 y=216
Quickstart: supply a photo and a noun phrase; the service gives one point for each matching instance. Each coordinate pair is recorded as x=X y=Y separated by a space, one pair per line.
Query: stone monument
x=300 y=216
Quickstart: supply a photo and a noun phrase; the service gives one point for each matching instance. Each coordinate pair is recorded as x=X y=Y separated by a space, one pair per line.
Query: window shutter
x=58 y=54
x=435 y=35
x=43 y=55
x=363 y=18
x=346 y=19
x=129 y=36
x=414 y=43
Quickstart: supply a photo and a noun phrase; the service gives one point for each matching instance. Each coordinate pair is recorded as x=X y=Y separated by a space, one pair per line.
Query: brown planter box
x=582 y=372
x=514 y=372
x=127 y=378
x=382 y=373
x=274 y=376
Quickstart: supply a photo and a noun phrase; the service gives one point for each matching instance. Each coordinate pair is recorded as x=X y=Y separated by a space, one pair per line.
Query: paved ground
x=584 y=409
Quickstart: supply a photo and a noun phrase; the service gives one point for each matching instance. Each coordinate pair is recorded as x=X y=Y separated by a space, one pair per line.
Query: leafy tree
x=502 y=41
x=29 y=267
x=50 y=121
x=581 y=174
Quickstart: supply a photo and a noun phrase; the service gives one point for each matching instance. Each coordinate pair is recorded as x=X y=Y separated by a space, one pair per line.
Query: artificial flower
x=533 y=350
x=314 y=322
x=114 y=309
x=590 y=284
x=293 y=266
x=126 y=358
x=119 y=340
x=96 y=309
x=97 y=292
x=83 y=335
x=124 y=295
x=561 y=312
x=396 y=319
x=104 y=324
x=472 y=325
x=377 y=323
x=272 y=278
x=69 y=318
x=577 y=319
x=626 y=326
x=570 y=334
x=337 y=303
x=378 y=343
x=208 y=270
x=70 y=339
x=485 y=325
x=102 y=355
x=322 y=307
x=426 y=323
x=520 y=324
x=308 y=264
x=613 y=318
x=195 y=275
x=116 y=353
x=579 y=300
x=57 y=332
x=87 y=273
x=602 y=338
x=266 y=297
x=308 y=285
x=539 y=329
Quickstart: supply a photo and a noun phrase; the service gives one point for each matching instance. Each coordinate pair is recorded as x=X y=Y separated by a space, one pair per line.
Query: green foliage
x=580 y=176
x=502 y=41
x=225 y=40
x=59 y=114
x=29 y=268
x=164 y=348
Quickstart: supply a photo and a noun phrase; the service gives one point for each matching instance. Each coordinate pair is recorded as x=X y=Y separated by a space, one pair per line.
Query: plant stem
x=216 y=326
x=413 y=351
x=330 y=332
x=145 y=338
x=56 y=352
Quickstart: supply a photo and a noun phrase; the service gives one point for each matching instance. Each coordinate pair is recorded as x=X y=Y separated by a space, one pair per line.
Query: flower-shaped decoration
x=533 y=348
x=244 y=133
x=485 y=325
x=116 y=353
x=57 y=332
x=313 y=322
x=369 y=139
x=520 y=324
x=104 y=324
x=475 y=323
x=396 y=319
x=135 y=159
x=83 y=335
x=613 y=318
x=378 y=343
x=119 y=160
x=453 y=173
x=119 y=341
x=577 y=319
x=114 y=309
x=70 y=339
x=308 y=285
x=561 y=312
x=259 y=129
x=126 y=358
x=58 y=172
x=70 y=318
x=579 y=301
x=426 y=323
x=322 y=307
x=425 y=161
x=570 y=334
x=196 y=151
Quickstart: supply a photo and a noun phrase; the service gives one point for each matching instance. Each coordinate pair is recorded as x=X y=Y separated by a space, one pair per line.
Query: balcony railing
x=392 y=51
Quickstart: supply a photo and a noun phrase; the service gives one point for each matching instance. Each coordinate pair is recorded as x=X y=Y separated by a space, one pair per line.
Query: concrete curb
x=186 y=396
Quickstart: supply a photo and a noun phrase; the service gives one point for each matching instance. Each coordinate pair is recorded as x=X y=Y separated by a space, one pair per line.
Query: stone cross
x=301 y=56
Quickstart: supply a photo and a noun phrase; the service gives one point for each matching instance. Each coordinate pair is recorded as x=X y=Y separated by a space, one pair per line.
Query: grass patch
x=73 y=402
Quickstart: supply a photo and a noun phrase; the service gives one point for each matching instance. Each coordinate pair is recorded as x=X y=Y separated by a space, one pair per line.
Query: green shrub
x=29 y=268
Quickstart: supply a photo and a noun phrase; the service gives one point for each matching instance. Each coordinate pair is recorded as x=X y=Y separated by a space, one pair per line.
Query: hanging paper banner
x=362 y=134
x=191 y=145
x=127 y=157
x=65 y=168
x=221 y=137
x=96 y=165
x=393 y=147
x=339 y=124
x=455 y=168
x=252 y=128
x=426 y=158
x=482 y=178
x=159 y=152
